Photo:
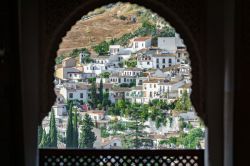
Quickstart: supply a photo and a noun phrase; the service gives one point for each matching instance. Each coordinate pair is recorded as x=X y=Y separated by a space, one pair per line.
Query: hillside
x=105 y=26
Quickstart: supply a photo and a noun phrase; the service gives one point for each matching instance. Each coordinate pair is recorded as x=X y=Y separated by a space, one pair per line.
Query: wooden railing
x=92 y=157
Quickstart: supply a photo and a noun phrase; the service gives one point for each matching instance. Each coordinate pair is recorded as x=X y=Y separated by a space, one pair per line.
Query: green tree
x=105 y=75
x=40 y=134
x=137 y=138
x=105 y=101
x=184 y=102
x=45 y=140
x=52 y=130
x=131 y=63
x=192 y=139
x=102 y=48
x=87 y=136
x=75 y=52
x=70 y=130
x=93 y=95
x=158 y=117
x=101 y=92
x=75 y=130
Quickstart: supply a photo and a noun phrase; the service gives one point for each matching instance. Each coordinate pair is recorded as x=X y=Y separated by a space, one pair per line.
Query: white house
x=115 y=49
x=66 y=73
x=141 y=43
x=117 y=93
x=60 y=109
x=111 y=143
x=135 y=95
x=150 y=90
x=163 y=60
x=170 y=44
x=124 y=54
x=134 y=72
x=96 y=115
x=119 y=53
x=185 y=87
x=75 y=91
x=144 y=62
x=74 y=76
x=95 y=68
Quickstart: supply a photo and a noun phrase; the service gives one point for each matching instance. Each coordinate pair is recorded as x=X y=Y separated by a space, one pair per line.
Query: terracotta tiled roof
x=139 y=39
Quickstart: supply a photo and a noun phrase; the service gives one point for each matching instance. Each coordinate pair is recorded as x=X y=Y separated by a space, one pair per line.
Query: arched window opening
x=115 y=88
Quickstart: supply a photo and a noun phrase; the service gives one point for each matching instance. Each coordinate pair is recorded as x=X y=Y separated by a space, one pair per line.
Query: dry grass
x=86 y=33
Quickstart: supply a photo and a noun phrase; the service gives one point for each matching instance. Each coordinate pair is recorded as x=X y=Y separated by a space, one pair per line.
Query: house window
x=169 y=60
x=71 y=95
x=154 y=85
x=136 y=45
x=124 y=79
x=142 y=44
x=150 y=95
x=70 y=75
x=163 y=66
x=81 y=95
x=147 y=63
x=157 y=66
x=163 y=60
x=157 y=60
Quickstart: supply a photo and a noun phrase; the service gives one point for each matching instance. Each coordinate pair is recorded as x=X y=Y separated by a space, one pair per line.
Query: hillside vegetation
x=114 y=24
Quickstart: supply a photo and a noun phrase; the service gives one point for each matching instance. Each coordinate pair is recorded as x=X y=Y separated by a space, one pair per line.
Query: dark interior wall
x=242 y=80
x=11 y=140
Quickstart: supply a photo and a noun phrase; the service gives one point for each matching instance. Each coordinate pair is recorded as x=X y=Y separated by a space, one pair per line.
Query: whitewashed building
x=75 y=91
x=134 y=72
x=163 y=60
x=141 y=43
x=170 y=44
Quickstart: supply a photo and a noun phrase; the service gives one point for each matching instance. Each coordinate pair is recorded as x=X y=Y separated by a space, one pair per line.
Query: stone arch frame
x=186 y=16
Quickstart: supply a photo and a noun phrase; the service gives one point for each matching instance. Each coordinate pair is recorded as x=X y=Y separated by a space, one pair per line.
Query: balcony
x=93 y=157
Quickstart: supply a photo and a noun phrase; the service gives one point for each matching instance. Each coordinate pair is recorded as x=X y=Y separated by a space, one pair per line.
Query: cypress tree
x=52 y=130
x=93 y=94
x=87 y=137
x=44 y=141
x=101 y=92
x=75 y=130
x=40 y=134
x=69 y=133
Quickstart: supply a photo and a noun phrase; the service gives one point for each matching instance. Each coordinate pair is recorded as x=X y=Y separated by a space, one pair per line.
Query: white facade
x=170 y=44
x=145 y=64
x=141 y=43
x=134 y=72
x=75 y=76
x=150 y=90
x=112 y=144
x=135 y=95
x=95 y=68
x=60 y=110
x=161 y=61
x=115 y=49
x=74 y=93
x=96 y=115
